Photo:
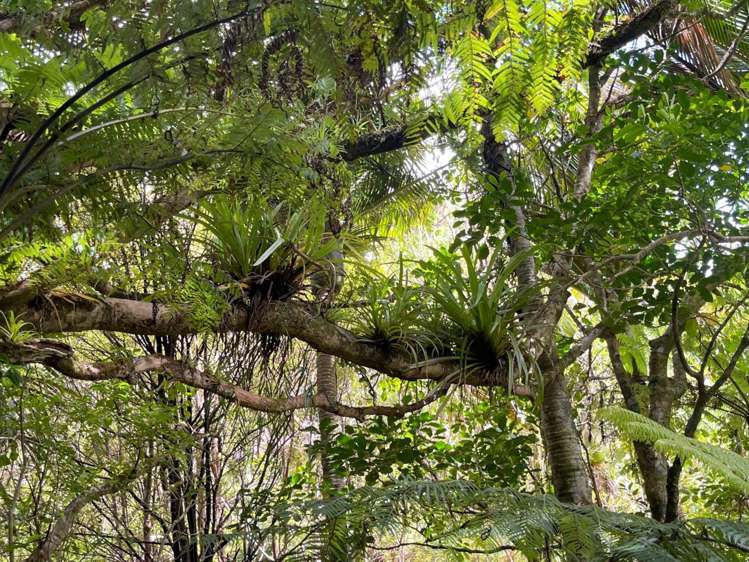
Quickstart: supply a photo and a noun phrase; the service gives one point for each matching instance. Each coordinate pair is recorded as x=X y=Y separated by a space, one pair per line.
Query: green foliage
x=539 y=45
x=395 y=314
x=79 y=258
x=72 y=432
x=224 y=168
x=733 y=468
x=396 y=192
x=13 y=329
x=205 y=305
x=634 y=349
x=485 y=445
x=251 y=241
x=466 y=307
x=242 y=236
x=456 y=515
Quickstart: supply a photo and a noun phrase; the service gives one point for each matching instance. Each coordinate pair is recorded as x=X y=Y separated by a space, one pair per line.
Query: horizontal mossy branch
x=59 y=312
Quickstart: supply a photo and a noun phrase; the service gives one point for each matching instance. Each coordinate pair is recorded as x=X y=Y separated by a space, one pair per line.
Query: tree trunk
x=654 y=470
x=674 y=473
x=653 y=466
x=327 y=383
x=558 y=430
x=331 y=484
x=672 y=490
x=562 y=443
x=181 y=547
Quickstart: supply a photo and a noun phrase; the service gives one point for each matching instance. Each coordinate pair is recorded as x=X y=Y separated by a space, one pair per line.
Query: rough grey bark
x=562 y=443
x=558 y=428
x=653 y=466
x=327 y=384
x=663 y=392
x=498 y=164
x=654 y=470
x=587 y=157
x=328 y=284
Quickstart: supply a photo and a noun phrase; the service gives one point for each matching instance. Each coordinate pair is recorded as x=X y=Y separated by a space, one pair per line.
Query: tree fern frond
x=728 y=465
x=456 y=514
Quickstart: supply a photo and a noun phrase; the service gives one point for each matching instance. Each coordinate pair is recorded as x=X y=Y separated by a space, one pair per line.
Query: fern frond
x=726 y=464
x=456 y=514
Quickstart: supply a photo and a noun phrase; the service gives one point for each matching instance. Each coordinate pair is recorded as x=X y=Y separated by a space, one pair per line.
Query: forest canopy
x=374 y=280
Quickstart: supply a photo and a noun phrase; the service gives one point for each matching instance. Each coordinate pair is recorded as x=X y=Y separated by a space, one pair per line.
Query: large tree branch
x=61 y=527
x=59 y=357
x=635 y=28
x=593 y=119
x=378 y=142
x=70 y=15
x=59 y=312
x=653 y=466
x=583 y=345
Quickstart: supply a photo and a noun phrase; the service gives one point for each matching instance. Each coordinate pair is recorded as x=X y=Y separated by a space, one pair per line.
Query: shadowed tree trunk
x=561 y=440
x=654 y=470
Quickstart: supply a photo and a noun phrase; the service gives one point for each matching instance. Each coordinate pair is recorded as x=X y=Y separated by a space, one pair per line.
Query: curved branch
x=583 y=344
x=60 y=529
x=59 y=356
x=59 y=312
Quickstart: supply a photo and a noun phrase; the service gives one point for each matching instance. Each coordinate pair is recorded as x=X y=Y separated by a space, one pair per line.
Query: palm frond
x=394 y=192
